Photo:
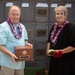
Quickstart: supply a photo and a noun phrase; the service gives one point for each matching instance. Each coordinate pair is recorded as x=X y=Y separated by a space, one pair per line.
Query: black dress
x=66 y=64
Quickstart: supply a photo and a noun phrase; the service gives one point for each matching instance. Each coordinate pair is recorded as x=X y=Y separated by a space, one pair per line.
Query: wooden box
x=24 y=53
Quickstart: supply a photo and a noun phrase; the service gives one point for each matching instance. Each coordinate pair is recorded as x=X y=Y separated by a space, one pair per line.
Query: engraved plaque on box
x=24 y=53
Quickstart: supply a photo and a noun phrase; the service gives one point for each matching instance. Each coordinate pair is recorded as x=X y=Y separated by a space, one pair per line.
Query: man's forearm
x=4 y=50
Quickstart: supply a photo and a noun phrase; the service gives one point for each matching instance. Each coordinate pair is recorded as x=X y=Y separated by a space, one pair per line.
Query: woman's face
x=60 y=16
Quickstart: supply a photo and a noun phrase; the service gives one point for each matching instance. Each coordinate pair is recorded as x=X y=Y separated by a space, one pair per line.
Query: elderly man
x=12 y=33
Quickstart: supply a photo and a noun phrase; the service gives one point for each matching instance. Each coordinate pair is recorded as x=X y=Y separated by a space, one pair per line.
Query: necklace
x=18 y=36
x=54 y=36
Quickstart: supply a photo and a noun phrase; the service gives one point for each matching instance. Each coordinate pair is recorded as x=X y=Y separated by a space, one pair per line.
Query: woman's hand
x=55 y=53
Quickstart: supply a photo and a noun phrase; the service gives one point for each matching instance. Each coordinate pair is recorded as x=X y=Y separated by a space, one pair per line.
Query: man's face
x=14 y=15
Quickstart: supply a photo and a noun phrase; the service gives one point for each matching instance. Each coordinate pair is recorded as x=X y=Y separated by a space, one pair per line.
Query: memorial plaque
x=41 y=32
x=42 y=12
x=24 y=53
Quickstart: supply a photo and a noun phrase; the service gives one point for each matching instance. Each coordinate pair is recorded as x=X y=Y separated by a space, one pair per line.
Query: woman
x=61 y=44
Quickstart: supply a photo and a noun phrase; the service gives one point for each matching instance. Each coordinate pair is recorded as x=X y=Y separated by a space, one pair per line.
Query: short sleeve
x=3 y=36
x=25 y=33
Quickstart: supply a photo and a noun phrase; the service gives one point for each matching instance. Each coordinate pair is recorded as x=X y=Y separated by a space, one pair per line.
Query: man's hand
x=13 y=57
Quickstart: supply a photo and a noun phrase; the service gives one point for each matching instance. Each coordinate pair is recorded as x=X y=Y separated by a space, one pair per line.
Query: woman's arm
x=48 y=47
x=68 y=49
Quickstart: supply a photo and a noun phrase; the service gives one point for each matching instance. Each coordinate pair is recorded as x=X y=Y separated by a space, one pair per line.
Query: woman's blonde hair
x=63 y=8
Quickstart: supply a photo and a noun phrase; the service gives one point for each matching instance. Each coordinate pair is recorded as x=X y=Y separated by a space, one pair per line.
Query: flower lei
x=54 y=36
x=18 y=36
